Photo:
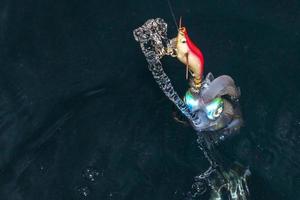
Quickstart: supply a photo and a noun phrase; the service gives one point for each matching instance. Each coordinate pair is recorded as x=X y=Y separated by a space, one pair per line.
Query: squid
x=210 y=104
x=215 y=101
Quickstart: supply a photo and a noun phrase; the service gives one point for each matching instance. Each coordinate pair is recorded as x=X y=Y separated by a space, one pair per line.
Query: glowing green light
x=191 y=101
x=214 y=108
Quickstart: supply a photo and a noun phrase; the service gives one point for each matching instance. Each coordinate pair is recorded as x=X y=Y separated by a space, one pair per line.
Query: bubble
x=84 y=191
x=91 y=174
x=113 y=195
x=199 y=187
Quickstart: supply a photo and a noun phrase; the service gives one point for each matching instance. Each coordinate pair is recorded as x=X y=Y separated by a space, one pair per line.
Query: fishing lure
x=187 y=52
x=190 y=55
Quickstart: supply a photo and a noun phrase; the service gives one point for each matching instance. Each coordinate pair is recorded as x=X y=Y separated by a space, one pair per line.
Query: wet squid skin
x=216 y=106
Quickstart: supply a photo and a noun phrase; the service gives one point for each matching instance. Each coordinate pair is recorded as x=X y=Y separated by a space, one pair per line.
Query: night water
x=81 y=117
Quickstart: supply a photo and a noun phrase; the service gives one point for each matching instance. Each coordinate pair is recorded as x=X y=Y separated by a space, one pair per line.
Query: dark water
x=82 y=118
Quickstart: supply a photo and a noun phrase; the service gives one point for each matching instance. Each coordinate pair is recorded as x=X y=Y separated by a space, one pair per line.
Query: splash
x=222 y=183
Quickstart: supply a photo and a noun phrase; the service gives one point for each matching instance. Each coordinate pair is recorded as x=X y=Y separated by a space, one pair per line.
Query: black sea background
x=82 y=118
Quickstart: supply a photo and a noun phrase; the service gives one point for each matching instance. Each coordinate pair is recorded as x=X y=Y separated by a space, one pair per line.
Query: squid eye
x=218 y=112
x=214 y=109
x=183 y=41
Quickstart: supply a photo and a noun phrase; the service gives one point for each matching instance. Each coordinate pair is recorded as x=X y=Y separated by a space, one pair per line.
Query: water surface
x=82 y=118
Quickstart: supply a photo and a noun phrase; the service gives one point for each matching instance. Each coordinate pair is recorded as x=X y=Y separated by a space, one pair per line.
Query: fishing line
x=172 y=13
